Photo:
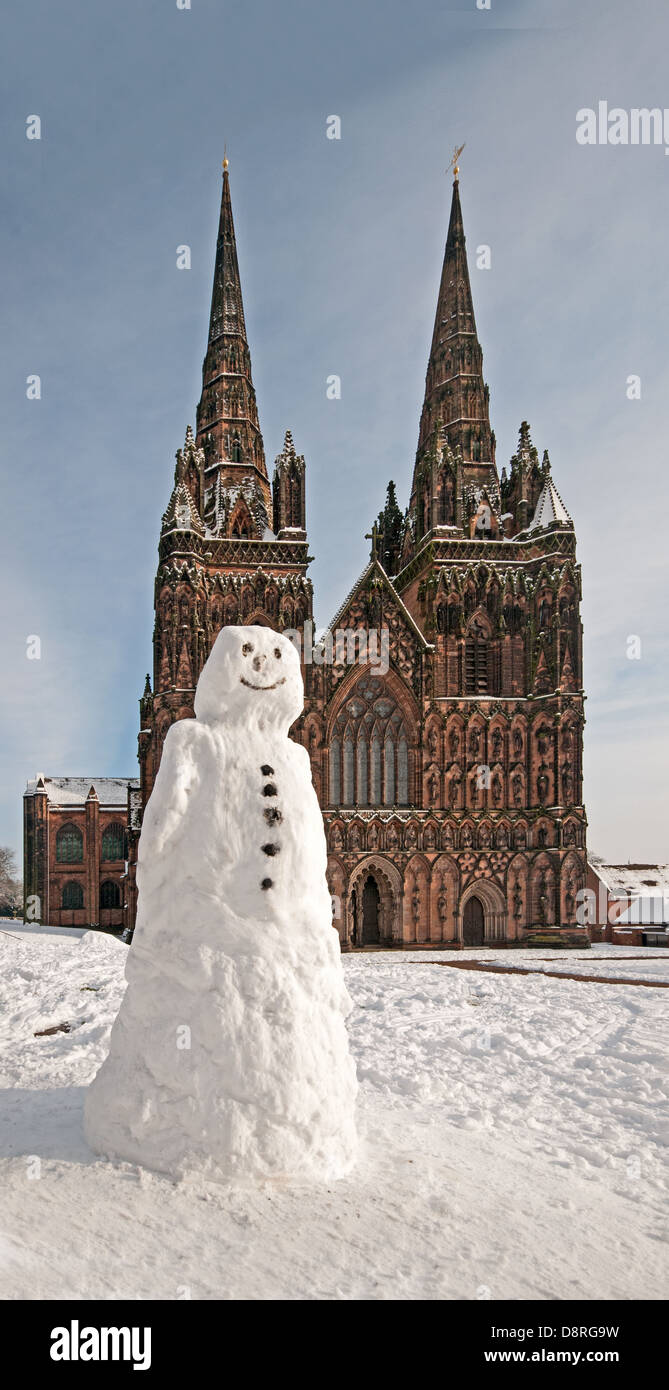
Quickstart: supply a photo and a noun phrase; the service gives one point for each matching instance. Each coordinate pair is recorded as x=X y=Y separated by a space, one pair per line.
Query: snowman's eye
x=247 y=648
x=277 y=653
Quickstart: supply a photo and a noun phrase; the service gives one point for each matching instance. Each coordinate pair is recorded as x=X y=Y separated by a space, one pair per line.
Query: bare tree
x=10 y=883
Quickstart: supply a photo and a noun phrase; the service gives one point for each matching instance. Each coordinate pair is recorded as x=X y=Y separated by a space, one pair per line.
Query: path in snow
x=491 y=968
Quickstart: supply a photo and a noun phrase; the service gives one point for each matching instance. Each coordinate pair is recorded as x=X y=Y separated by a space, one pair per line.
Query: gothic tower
x=451 y=773
x=231 y=550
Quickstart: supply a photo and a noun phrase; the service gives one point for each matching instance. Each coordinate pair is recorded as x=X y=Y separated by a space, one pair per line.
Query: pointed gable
x=550 y=509
x=567 y=681
x=181 y=514
x=357 y=607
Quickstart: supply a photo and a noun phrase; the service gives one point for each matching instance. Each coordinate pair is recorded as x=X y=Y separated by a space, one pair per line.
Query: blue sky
x=340 y=246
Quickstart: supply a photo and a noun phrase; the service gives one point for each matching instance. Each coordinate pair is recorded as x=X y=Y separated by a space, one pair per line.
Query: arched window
x=236 y=449
x=389 y=781
x=294 y=498
x=113 y=842
x=69 y=845
x=241 y=529
x=403 y=772
x=362 y=770
x=349 y=794
x=477 y=675
x=369 y=749
x=376 y=770
x=73 y=896
x=335 y=774
x=110 y=894
x=446 y=498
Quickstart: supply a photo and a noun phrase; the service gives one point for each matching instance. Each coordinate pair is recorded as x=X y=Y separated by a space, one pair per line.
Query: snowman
x=229 y=1055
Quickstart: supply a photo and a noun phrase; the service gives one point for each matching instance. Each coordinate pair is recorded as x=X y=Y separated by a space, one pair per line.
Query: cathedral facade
x=444 y=707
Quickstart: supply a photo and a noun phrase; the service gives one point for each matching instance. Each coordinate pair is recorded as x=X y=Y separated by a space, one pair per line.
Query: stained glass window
x=370 y=730
x=110 y=894
x=113 y=842
x=349 y=796
x=361 y=797
x=389 y=785
x=73 y=896
x=402 y=772
x=376 y=770
x=69 y=845
x=335 y=774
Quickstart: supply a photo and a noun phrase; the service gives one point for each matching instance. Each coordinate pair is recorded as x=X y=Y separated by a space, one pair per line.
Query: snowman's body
x=230 y=1052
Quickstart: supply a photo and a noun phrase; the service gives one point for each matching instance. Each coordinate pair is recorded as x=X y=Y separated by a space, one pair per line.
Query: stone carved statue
x=517 y=900
x=543 y=899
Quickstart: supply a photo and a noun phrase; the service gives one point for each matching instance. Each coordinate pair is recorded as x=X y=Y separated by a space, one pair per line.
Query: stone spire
x=227 y=417
x=455 y=409
x=288 y=489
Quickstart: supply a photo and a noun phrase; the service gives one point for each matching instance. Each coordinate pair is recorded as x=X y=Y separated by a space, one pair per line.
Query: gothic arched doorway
x=473 y=923
x=371 y=912
x=374 y=903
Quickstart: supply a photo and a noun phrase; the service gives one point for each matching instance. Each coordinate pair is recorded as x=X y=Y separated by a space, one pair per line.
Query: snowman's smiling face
x=252 y=676
x=258 y=661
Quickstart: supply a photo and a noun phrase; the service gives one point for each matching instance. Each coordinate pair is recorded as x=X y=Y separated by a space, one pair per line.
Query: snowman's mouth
x=251 y=686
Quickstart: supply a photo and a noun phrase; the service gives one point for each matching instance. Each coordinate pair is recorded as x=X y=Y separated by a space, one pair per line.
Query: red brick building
x=75 y=849
x=627 y=904
x=450 y=775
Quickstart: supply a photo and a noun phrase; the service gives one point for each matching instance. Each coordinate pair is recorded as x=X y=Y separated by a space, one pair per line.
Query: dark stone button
x=267 y=883
x=271 y=849
x=266 y=770
x=269 y=789
x=272 y=815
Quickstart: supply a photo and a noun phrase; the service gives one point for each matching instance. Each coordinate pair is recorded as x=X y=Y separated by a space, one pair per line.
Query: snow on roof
x=550 y=508
x=625 y=880
x=73 y=791
x=645 y=886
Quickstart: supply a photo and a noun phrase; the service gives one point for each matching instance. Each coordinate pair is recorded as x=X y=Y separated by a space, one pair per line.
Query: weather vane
x=454 y=162
x=225 y=157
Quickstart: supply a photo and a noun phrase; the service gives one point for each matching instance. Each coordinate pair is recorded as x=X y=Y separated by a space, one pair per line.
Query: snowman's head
x=252 y=675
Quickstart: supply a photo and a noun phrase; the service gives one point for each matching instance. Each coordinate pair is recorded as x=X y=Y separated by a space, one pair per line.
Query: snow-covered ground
x=512 y=1141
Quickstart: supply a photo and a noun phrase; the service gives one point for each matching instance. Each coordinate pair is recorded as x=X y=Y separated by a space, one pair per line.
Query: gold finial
x=454 y=162
x=225 y=159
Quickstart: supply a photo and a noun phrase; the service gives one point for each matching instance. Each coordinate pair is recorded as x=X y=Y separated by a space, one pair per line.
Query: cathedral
x=444 y=704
